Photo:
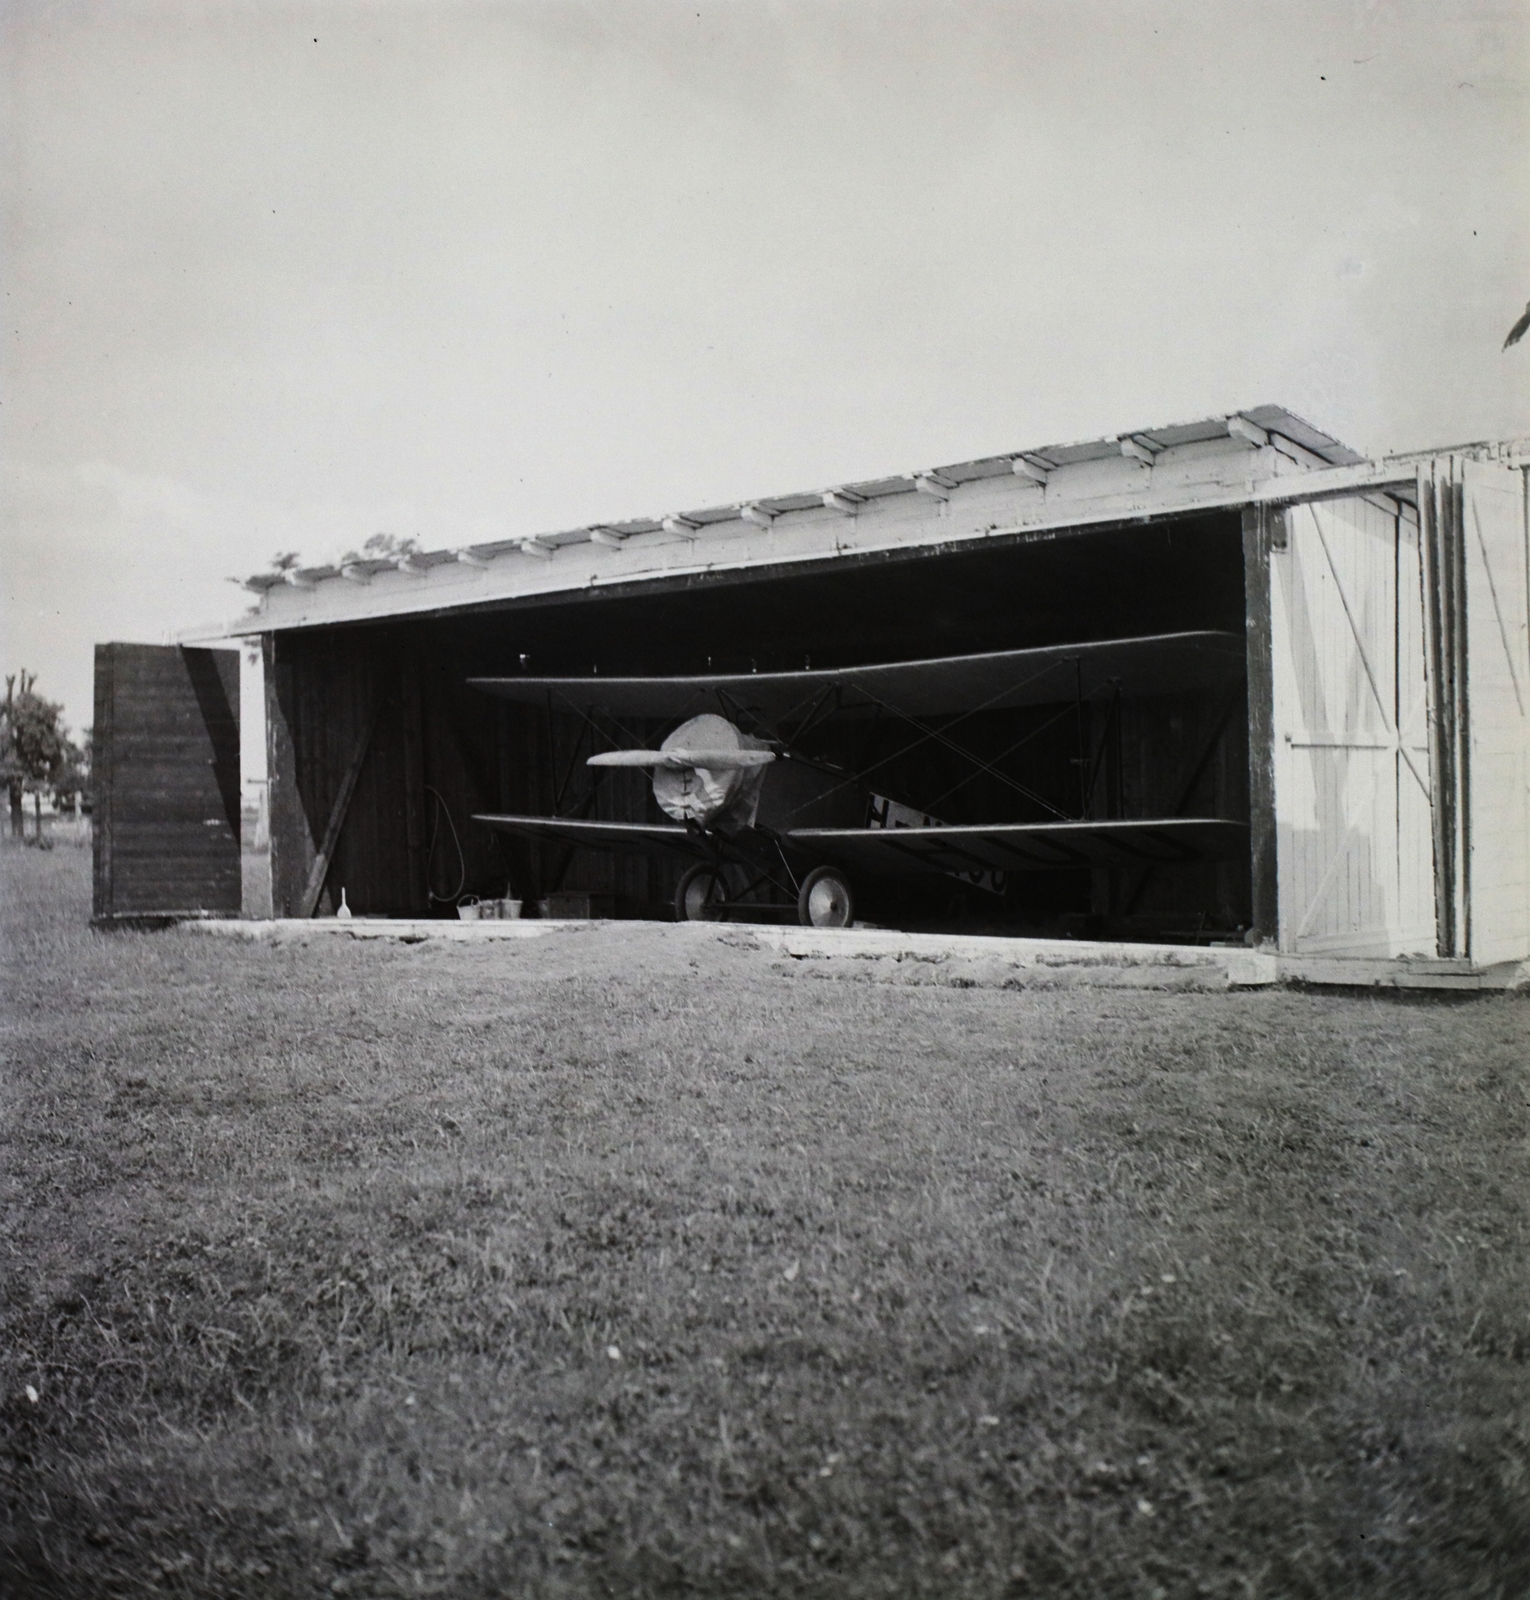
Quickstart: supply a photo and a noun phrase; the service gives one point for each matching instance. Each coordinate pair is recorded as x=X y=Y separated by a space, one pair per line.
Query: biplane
x=762 y=799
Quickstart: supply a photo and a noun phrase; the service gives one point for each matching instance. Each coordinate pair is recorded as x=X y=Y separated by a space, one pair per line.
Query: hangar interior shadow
x=436 y=751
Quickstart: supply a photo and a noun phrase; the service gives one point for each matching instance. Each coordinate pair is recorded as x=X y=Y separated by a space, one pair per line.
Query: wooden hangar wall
x=380 y=753
x=166 y=833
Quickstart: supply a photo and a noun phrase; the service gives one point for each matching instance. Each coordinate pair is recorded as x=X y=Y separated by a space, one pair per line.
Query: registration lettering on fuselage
x=885 y=813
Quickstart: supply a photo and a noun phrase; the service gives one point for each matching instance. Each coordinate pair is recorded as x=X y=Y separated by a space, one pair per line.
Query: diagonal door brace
x=319 y=871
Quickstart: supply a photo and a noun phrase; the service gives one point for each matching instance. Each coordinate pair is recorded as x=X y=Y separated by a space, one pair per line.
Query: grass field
x=610 y=1265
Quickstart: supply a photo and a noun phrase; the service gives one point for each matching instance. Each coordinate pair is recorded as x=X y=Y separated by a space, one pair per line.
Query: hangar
x=1361 y=731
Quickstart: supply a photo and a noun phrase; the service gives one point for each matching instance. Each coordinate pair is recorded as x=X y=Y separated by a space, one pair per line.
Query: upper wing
x=1028 y=846
x=600 y=835
x=1154 y=664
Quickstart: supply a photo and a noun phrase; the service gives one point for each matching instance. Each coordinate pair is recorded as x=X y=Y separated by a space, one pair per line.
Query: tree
x=383 y=547
x=73 y=780
x=380 y=547
x=35 y=753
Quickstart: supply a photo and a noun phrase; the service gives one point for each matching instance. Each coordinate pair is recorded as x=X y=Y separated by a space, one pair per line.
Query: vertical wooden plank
x=292 y=844
x=1262 y=527
x=103 y=749
x=414 y=782
x=360 y=677
x=467 y=761
x=1445 y=616
x=1440 y=711
x=1415 y=811
x=255 y=848
x=1455 y=554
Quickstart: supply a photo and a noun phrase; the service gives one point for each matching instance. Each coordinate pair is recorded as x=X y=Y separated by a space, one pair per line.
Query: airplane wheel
x=825 y=900
x=702 y=895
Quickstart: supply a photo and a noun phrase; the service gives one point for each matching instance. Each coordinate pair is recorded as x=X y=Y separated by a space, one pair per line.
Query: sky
x=280 y=277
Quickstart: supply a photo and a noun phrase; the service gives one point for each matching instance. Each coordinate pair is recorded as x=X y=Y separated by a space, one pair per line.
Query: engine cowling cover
x=712 y=798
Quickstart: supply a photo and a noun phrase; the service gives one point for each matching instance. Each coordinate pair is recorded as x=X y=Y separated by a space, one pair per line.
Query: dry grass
x=618 y=1266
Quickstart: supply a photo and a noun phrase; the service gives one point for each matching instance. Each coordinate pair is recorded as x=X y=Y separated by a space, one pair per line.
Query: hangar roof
x=1149 y=472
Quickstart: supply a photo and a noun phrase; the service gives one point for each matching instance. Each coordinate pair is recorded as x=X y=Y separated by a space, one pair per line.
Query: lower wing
x=601 y=835
x=1028 y=846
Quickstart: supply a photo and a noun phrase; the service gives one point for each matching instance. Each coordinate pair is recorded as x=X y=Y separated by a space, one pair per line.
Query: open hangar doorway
x=381 y=752
x=1358 y=756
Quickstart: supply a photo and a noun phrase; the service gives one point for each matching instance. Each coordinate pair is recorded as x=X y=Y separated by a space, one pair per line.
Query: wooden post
x=1455 y=532
x=254 y=839
x=1442 y=781
x=414 y=783
x=292 y=845
x=1264 y=529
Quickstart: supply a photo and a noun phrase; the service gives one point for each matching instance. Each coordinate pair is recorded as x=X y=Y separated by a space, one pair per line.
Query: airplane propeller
x=705 y=772
x=673 y=760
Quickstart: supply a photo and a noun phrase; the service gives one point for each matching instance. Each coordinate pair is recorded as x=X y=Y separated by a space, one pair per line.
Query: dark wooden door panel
x=166 y=782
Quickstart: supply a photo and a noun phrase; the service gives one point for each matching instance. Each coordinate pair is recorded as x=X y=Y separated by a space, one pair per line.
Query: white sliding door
x=1351 y=749
x=1491 y=507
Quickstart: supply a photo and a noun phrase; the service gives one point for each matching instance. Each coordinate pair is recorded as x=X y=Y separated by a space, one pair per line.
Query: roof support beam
x=608 y=537
x=843 y=501
x=1135 y=450
x=407 y=563
x=758 y=515
x=1026 y=467
x=1299 y=453
x=1249 y=432
x=535 y=547
x=354 y=572
x=471 y=558
x=932 y=484
x=675 y=523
